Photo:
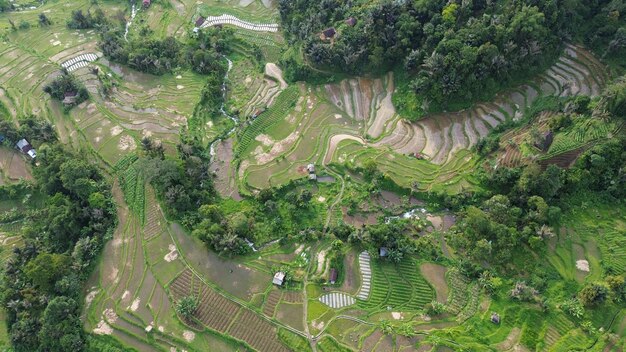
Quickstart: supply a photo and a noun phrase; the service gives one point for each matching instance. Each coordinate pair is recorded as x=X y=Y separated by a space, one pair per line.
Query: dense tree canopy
x=42 y=280
x=454 y=51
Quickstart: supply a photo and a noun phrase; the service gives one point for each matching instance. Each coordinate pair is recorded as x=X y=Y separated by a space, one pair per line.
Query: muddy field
x=14 y=166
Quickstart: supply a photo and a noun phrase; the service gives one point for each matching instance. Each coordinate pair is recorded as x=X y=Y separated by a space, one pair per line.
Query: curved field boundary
x=366 y=275
x=232 y=20
x=439 y=137
x=337 y=300
x=79 y=61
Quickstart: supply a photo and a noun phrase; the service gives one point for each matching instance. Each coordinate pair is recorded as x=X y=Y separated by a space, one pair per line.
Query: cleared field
x=13 y=166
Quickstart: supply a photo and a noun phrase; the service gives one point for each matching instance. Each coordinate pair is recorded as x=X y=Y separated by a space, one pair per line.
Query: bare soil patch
x=275 y=72
x=436 y=275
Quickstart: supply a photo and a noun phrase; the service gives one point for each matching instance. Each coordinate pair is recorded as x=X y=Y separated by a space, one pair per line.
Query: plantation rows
x=283 y=104
x=225 y=316
x=153 y=226
x=125 y=162
x=472 y=305
x=214 y=311
x=257 y=332
x=581 y=135
x=557 y=327
x=613 y=255
x=267 y=43
x=292 y=297
x=133 y=186
x=458 y=298
x=271 y=302
x=398 y=287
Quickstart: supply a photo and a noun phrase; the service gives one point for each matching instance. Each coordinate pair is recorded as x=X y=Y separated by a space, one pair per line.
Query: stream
x=223 y=111
x=133 y=12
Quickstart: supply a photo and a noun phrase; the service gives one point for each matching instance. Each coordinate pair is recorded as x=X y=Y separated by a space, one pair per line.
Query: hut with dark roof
x=328 y=33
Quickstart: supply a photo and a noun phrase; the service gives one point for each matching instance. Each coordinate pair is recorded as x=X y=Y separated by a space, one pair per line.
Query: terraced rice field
x=211 y=21
x=354 y=121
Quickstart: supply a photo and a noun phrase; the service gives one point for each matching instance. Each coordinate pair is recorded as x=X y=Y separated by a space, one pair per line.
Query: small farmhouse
x=26 y=148
x=328 y=34
x=146 y=3
x=351 y=21
x=279 y=278
x=383 y=251
x=311 y=169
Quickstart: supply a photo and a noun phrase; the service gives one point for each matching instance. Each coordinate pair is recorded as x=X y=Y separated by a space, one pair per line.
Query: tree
x=46 y=269
x=593 y=294
x=186 y=306
x=44 y=20
x=61 y=328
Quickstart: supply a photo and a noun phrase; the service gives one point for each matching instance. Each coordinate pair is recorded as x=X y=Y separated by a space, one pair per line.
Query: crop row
x=458 y=291
x=132 y=183
x=422 y=292
x=283 y=104
x=398 y=286
x=613 y=255
x=258 y=333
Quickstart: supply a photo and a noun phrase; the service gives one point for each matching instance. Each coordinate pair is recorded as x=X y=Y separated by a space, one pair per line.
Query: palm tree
x=434 y=63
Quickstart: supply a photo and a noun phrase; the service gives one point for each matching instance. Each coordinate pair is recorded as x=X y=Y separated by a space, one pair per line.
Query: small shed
x=2 y=138
x=26 y=148
x=200 y=21
x=383 y=251
x=332 y=278
x=146 y=3
x=311 y=169
x=328 y=33
x=351 y=21
x=495 y=318
x=279 y=278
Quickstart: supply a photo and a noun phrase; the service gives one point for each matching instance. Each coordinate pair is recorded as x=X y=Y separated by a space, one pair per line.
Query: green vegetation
x=67 y=233
x=498 y=235
x=285 y=101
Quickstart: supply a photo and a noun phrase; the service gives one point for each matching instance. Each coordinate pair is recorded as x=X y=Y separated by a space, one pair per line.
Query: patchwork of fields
x=354 y=121
x=151 y=264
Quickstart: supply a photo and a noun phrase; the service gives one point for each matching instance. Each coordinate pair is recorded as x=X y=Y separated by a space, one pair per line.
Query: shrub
x=186 y=306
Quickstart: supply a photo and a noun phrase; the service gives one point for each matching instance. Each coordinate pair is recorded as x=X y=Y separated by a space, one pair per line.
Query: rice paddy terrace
x=150 y=264
x=354 y=121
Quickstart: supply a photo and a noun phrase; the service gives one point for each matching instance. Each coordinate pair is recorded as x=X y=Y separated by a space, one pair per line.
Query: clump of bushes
x=66 y=85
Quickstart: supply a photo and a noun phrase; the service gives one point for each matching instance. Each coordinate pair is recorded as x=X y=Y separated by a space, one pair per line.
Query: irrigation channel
x=223 y=111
